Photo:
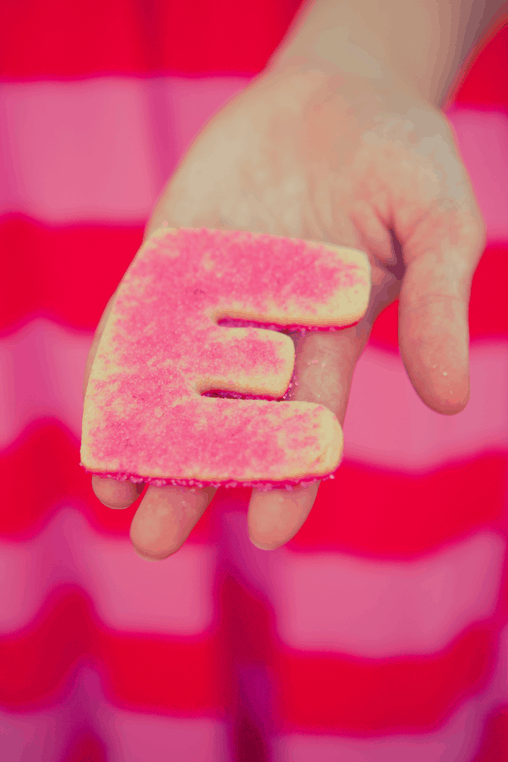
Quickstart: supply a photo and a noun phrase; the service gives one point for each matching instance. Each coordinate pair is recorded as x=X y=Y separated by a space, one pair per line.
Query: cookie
x=187 y=382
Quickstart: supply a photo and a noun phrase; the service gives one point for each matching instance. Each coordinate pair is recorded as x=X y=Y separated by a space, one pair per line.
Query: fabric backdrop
x=380 y=632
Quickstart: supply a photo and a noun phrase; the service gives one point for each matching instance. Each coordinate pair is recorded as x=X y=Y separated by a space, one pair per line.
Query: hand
x=337 y=158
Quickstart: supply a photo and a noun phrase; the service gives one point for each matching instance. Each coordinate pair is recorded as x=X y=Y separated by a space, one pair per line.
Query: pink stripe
x=102 y=148
x=173 y=597
x=99 y=149
x=388 y=425
x=45 y=736
x=41 y=374
x=379 y=609
x=78 y=151
x=483 y=142
x=192 y=102
x=375 y=609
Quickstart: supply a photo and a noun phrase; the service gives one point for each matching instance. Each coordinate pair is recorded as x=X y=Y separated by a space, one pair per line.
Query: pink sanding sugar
x=262 y=486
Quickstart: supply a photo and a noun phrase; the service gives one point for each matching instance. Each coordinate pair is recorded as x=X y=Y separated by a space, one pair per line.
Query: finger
x=165 y=519
x=433 y=322
x=116 y=494
x=324 y=367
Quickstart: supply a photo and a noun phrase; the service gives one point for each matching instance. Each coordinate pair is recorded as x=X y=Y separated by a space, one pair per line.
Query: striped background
x=380 y=632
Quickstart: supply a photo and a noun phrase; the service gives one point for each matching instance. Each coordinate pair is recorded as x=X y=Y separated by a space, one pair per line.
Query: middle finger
x=324 y=367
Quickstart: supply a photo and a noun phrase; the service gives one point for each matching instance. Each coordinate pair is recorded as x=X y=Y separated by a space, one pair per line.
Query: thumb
x=433 y=321
x=95 y=343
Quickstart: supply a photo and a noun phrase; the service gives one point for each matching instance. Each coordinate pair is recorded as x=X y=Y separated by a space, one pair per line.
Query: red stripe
x=364 y=510
x=366 y=697
x=494 y=744
x=69 y=273
x=194 y=676
x=150 y=672
x=58 y=39
x=86 y=745
x=40 y=472
x=395 y=515
x=48 y=455
x=248 y=624
x=488 y=316
x=89 y=37
x=485 y=83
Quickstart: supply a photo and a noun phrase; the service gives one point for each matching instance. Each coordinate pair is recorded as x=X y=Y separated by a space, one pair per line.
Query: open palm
x=335 y=158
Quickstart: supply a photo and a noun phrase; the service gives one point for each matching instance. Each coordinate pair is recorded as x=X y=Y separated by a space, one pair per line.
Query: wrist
x=328 y=38
x=353 y=64
x=423 y=45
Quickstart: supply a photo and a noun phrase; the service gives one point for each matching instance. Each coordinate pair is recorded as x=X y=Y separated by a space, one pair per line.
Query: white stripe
x=375 y=609
x=45 y=735
x=175 y=596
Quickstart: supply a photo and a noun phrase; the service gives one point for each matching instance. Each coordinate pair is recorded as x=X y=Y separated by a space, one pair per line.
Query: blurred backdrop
x=380 y=631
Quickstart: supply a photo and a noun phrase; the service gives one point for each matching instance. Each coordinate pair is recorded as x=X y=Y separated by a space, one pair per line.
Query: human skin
x=355 y=151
